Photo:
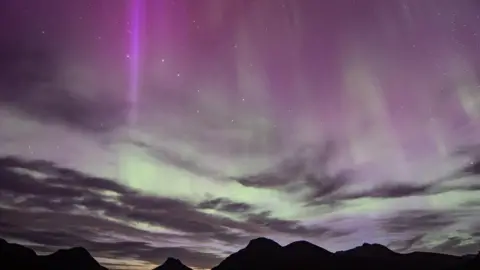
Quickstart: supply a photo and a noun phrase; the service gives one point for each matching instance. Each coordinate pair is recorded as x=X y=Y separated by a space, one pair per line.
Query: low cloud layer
x=36 y=196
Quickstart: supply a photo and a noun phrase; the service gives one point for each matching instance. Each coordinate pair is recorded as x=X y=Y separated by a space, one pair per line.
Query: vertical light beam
x=137 y=17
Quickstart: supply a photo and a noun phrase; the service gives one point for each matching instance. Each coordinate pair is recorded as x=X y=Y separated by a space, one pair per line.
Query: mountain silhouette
x=172 y=264
x=15 y=256
x=472 y=264
x=263 y=254
x=369 y=250
x=259 y=254
x=74 y=258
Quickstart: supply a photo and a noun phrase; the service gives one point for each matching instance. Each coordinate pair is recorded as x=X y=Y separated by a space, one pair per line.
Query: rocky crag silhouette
x=259 y=254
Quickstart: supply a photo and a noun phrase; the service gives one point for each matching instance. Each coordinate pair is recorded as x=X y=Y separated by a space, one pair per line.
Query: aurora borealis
x=156 y=128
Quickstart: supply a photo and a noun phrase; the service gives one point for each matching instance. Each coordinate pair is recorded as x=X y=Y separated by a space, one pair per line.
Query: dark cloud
x=18 y=223
x=293 y=227
x=392 y=190
x=457 y=246
x=472 y=203
x=476 y=230
x=87 y=232
x=264 y=180
x=419 y=225
x=310 y=171
x=406 y=245
x=226 y=205
x=325 y=186
x=52 y=181
x=397 y=190
x=307 y=169
x=472 y=169
x=306 y=161
x=27 y=73
x=38 y=195
x=451 y=245
x=418 y=220
x=66 y=191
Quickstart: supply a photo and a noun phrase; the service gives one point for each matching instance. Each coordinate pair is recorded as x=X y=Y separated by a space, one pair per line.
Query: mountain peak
x=73 y=258
x=301 y=243
x=262 y=243
x=257 y=255
x=305 y=247
x=172 y=264
x=76 y=252
x=374 y=245
x=368 y=249
x=16 y=249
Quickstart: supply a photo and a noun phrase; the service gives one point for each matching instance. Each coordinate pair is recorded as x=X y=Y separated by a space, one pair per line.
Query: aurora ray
x=137 y=8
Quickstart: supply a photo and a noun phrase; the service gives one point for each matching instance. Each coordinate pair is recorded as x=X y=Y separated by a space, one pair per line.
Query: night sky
x=142 y=129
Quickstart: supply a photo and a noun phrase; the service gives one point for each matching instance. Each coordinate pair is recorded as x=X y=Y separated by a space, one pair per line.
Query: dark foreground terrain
x=259 y=254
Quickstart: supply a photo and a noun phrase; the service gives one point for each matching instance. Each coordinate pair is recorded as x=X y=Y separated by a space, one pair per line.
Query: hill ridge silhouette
x=16 y=256
x=259 y=254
